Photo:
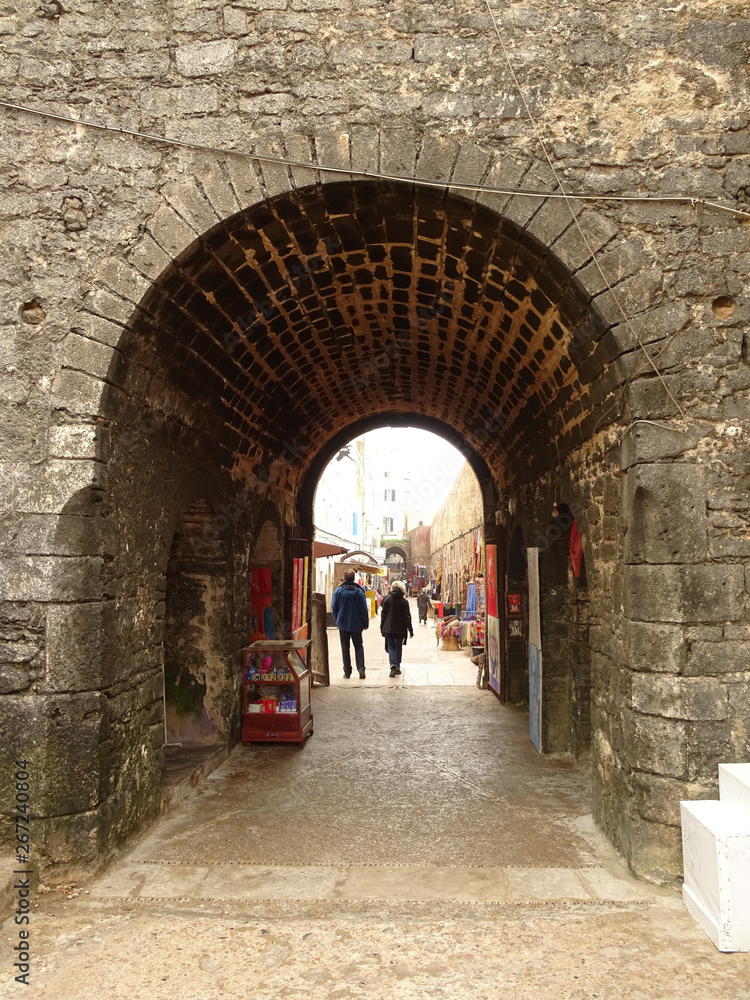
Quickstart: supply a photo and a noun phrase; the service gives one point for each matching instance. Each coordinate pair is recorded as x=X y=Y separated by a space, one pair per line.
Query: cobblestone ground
x=415 y=847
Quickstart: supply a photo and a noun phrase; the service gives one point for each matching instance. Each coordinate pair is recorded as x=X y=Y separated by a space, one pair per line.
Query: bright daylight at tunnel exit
x=374 y=601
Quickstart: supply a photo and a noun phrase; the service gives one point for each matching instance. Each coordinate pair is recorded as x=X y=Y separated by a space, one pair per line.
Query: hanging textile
x=471 y=599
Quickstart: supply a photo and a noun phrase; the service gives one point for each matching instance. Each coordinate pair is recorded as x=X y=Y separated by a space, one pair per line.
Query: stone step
x=233 y=881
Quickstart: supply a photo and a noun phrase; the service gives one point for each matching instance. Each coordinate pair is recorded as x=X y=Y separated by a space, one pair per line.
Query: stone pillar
x=679 y=605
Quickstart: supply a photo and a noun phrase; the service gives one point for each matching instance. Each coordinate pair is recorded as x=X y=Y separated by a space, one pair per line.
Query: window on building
x=354 y=525
x=389 y=494
x=387 y=524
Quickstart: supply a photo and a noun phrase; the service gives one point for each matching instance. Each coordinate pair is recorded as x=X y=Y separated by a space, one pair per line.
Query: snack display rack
x=275 y=692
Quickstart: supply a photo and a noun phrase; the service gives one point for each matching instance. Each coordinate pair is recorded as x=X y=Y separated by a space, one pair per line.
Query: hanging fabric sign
x=576 y=548
x=491 y=581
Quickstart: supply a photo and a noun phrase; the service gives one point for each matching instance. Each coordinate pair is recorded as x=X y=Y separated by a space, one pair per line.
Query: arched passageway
x=313 y=316
x=307 y=319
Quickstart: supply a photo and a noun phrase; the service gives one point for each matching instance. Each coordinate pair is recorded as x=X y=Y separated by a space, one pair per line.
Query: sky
x=430 y=461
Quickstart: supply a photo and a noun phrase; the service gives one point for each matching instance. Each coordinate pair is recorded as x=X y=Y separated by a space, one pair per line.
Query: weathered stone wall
x=453 y=532
x=131 y=387
x=667 y=621
x=419 y=547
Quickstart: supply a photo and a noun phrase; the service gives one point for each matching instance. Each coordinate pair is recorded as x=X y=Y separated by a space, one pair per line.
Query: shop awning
x=322 y=550
x=359 y=567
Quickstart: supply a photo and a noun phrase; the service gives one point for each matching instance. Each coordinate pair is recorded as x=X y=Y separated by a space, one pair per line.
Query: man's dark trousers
x=359 y=651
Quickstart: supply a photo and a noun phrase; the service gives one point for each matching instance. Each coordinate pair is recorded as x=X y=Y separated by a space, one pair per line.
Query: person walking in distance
x=395 y=622
x=352 y=615
x=423 y=603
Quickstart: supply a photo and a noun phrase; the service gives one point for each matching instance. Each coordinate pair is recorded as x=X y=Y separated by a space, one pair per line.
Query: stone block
x=554 y=218
x=658 y=799
x=82 y=354
x=288 y=21
x=275 y=176
x=205 y=58
x=102 y=302
x=59 y=735
x=266 y=104
x=658 y=746
x=123 y=280
x=522 y=208
x=471 y=164
x=690 y=698
x=189 y=201
x=49 y=486
x=52 y=578
x=503 y=173
x=684 y=593
x=99 y=328
x=332 y=150
x=626 y=299
x=728 y=547
x=398 y=152
x=52 y=534
x=170 y=232
x=299 y=147
x=74 y=642
x=576 y=244
x=658 y=323
x=709 y=743
x=82 y=395
x=644 y=442
x=437 y=157
x=450 y=105
x=16 y=676
x=652 y=397
x=195 y=99
x=655 y=851
x=664 y=510
x=729 y=499
x=658 y=648
x=72 y=839
x=87 y=440
x=375 y=51
x=235 y=21
x=149 y=258
x=212 y=177
x=453 y=51
x=365 y=148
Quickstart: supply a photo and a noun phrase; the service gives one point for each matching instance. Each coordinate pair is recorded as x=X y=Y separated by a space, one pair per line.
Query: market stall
x=276 y=692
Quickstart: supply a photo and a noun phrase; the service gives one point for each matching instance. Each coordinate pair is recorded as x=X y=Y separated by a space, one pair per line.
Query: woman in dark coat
x=395 y=622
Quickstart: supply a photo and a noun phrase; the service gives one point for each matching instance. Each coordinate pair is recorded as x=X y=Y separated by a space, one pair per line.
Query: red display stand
x=275 y=692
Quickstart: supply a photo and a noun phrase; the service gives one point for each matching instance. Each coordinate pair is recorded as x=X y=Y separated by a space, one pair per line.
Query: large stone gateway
x=189 y=335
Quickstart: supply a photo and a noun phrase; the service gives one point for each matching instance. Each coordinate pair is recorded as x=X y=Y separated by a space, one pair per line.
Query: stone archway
x=288 y=326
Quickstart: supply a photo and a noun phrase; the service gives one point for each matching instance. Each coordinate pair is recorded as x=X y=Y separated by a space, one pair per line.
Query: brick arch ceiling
x=308 y=312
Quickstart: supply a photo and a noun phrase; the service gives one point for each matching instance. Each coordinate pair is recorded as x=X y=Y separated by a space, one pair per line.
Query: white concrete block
x=716 y=856
x=734 y=783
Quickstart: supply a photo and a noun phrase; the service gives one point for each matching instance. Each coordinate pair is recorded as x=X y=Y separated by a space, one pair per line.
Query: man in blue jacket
x=352 y=614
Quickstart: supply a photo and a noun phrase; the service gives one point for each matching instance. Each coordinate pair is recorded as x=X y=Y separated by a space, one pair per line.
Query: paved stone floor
x=415 y=847
x=424 y=663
